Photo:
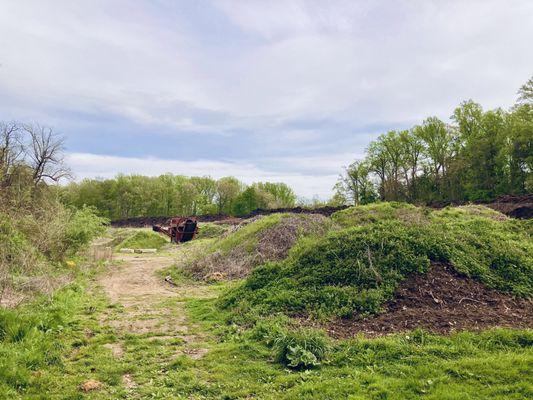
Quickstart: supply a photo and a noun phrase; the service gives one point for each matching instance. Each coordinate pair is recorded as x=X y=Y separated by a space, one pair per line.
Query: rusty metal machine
x=179 y=229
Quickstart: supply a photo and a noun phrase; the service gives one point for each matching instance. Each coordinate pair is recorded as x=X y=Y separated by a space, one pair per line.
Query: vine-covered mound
x=254 y=242
x=354 y=271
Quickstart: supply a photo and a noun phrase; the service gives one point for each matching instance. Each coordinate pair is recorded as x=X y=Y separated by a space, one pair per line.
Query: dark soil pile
x=441 y=301
x=514 y=206
x=520 y=207
x=143 y=222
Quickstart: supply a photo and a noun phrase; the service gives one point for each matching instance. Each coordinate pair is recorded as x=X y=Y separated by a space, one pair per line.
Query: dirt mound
x=520 y=207
x=142 y=222
x=441 y=301
x=514 y=206
x=254 y=248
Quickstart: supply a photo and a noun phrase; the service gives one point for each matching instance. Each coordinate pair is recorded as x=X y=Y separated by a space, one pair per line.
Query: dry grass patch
x=253 y=243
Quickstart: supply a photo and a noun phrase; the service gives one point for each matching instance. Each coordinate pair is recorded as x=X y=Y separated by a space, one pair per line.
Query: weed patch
x=143 y=239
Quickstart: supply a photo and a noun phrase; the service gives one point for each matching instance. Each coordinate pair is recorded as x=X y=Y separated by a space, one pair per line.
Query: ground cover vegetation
x=479 y=155
x=353 y=271
x=59 y=346
x=67 y=346
x=143 y=239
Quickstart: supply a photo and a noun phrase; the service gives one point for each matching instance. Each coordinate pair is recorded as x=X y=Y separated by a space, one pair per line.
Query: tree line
x=479 y=155
x=128 y=196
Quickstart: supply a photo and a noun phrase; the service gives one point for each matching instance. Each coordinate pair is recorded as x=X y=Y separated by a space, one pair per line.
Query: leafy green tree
x=277 y=195
x=355 y=185
x=412 y=149
x=525 y=94
x=248 y=201
x=227 y=190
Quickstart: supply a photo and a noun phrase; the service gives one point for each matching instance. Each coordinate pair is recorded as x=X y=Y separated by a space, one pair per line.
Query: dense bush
x=34 y=245
x=84 y=224
x=354 y=271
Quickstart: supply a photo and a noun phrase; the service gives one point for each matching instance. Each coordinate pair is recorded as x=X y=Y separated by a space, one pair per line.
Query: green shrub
x=496 y=252
x=83 y=226
x=143 y=239
x=301 y=348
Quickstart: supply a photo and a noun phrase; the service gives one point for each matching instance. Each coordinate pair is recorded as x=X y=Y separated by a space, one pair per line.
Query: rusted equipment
x=179 y=229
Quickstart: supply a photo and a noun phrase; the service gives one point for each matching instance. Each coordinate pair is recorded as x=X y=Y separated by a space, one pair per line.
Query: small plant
x=301 y=349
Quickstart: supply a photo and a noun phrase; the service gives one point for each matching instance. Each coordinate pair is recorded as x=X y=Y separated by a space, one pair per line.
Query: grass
x=143 y=239
x=211 y=230
x=50 y=347
x=242 y=364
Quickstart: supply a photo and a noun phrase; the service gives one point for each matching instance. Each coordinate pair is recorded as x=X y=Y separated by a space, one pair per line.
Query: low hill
x=354 y=272
x=254 y=242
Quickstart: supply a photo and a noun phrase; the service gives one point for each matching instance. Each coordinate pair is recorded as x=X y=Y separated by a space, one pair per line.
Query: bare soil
x=138 y=295
x=442 y=301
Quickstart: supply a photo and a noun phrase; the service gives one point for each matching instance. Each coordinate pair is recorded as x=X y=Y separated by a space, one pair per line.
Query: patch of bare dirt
x=194 y=353
x=128 y=282
x=441 y=301
x=128 y=382
x=141 y=302
x=116 y=349
x=91 y=385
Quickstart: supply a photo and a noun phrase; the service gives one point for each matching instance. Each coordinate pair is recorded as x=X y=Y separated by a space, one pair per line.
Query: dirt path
x=146 y=307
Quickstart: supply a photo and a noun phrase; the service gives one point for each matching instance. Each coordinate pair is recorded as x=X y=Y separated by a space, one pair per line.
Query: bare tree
x=11 y=151
x=44 y=154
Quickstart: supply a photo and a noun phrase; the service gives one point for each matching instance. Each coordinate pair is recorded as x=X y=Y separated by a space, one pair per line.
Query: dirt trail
x=141 y=296
x=143 y=304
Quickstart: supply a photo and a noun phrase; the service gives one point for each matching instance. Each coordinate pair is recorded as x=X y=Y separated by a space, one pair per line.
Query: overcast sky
x=263 y=90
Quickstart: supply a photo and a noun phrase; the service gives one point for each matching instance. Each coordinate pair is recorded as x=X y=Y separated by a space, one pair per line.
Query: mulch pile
x=520 y=207
x=514 y=206
x=441 y=301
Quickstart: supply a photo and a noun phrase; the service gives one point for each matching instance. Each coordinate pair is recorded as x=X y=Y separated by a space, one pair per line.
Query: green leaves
x=301 y=348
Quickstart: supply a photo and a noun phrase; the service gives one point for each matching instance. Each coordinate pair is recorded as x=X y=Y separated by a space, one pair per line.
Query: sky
x=286 y=91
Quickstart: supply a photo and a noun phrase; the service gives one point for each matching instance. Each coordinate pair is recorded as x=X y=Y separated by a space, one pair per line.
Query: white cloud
x=235 y=68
